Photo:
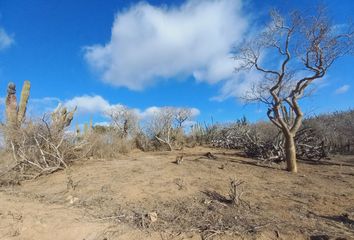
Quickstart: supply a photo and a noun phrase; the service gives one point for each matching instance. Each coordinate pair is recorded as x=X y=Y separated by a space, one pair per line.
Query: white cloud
x=5 y=40
x=39 y=106
x=104 y=123
x=85 y=104
x=88 y=104
x=150 y=43
x=239 y=85
x=98 y=105
x=151 y=111
x=342 y=89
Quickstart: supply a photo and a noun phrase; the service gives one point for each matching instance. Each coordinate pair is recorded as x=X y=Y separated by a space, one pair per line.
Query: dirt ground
x=147 y=196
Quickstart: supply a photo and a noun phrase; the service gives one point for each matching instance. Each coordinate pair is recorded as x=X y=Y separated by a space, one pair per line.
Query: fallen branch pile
x=264 y=143
x=42 y=148
x=37 y=152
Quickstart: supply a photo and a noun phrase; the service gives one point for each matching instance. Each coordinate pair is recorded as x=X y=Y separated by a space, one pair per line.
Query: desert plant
x=107 y=144
x=306 y=47
x=336 y=130
x=263 y=141
x=204 y=133
x=15 y=115
x=124 y=121
x=235 y=191
x=143 y=142
x=38 y=148
x=61 y=118
x=182 y=115
x=160 y=126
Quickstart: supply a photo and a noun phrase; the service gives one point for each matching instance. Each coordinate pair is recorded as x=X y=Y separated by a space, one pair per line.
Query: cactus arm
x=11 y=105
x=91 y=124
x=86 y=129
x=23 y=102
x=69 y=117
x=62 y=118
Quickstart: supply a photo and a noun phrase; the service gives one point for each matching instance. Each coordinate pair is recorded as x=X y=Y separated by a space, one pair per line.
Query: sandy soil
x=147 y=196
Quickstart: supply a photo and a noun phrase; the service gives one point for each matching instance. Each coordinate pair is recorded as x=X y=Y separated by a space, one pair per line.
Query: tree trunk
x=165 y=141
x=290 y=153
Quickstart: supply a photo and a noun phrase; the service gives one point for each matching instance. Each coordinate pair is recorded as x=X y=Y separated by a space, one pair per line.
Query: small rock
x=152 y=216
x=72 y=199
x=207 y=202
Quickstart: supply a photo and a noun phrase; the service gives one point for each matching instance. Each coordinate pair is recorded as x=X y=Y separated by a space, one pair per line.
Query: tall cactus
x=23 y=102
x=91 y=124
x=11 y=105
x=16 y=115
x=86 y=129
x=78 y=130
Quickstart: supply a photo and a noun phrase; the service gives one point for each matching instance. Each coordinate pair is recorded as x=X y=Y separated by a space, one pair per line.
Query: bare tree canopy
x=160 y=125
x=167 y=123
x=291 y=53
x=182 y=115
x=124 y=121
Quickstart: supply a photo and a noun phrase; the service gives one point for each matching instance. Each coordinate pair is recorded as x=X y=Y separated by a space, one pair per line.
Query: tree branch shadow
x=325 y=163
x=255 y=163
x=213 y=195
x=342 y=219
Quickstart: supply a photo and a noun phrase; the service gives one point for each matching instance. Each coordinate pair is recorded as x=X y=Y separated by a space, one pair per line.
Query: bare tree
x=161 y=125
x=300 y=50
x=124 y=121
x=182 y=115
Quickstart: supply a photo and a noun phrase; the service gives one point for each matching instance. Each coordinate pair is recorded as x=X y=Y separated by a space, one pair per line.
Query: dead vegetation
x=45 y=146
x=236 y=192
x=260 y=141
x=41 y=147
x=146 y=191
x=198 y=197
x=306 y=46
x=316 y=140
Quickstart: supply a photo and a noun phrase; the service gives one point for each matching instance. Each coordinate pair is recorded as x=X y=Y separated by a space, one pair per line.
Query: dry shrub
x=108 y=144
x=203 y=134
x=264 y=141
x=7 y=177
x=336 y=130
x=143 y=143
x=265 y=131
x=39 y=148
x=167 y=127
x=179 y=137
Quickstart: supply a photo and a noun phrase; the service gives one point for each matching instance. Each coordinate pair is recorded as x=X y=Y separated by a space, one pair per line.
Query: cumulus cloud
x=5 y=39
x=98 y=105
x=342 y=89
x=86 y=104
x=239 y=85
x=151 y=111
x=39 y=106
x=151 y=43
x=89 y=104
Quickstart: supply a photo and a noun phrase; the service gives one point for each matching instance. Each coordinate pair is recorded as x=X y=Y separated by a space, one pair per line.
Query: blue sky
x=96 y=54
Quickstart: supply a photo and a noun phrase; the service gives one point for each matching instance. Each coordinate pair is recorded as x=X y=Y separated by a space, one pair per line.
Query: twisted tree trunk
x=290 y=153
